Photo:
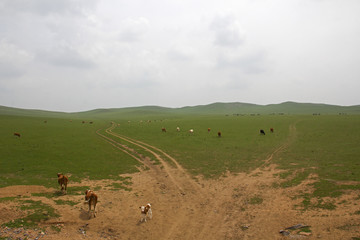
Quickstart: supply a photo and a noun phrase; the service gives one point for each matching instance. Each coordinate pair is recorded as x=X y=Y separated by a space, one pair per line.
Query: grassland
x=59 y=145
x=326 y=145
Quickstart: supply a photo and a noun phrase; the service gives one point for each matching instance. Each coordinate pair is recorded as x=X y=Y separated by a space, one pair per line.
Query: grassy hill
x=235 y=108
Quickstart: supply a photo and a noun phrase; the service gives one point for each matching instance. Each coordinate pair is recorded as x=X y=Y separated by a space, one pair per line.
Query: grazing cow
x=163 y=129
x=178 y=129
x=91 y=199
x=271 y=130
x=219 y=134
x=63 y=181
x=262 y=132
x=145 y=212
x=17 y=134
x=191 y=131
x=209 y=129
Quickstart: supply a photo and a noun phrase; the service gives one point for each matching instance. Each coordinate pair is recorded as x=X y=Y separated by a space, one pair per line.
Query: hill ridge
x=216 y=108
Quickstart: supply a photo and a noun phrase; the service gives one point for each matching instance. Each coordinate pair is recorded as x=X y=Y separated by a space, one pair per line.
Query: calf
x=219 y=134
x=145 y=212
x=17 y=134
x=63 y=181
x=262 y=132
x=91 y=199
x=163 y=129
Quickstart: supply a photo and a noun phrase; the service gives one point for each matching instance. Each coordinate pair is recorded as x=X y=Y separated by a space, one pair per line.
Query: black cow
x=262 y=132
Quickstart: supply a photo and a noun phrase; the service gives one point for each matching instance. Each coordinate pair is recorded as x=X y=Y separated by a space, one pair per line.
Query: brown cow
x=271 y=130
x=63 y=181
x=219 y=134
x=91 y=198
x=209 y=129
x=163 y=129
x=17 y=134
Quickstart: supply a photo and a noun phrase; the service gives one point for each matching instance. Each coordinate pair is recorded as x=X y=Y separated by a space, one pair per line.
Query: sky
x=78 y=55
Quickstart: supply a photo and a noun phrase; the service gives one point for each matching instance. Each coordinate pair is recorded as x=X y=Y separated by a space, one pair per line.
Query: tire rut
x=186 y=187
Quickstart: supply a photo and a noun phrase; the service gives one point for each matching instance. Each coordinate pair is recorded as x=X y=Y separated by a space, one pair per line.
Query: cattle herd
x=91 y=198
x=191 y=131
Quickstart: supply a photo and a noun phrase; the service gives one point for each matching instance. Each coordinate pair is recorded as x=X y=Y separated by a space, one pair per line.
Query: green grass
x=44 y=149
x=256 y=200
x=63 y=202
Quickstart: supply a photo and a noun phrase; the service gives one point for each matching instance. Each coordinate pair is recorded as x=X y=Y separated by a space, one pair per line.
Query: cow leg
x=89 y=209
x=94 y=210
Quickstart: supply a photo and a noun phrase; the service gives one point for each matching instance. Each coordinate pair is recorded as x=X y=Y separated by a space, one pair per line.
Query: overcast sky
x=76 y=55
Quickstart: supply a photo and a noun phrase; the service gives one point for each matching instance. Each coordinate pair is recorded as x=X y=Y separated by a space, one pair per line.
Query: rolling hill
x=235 y=108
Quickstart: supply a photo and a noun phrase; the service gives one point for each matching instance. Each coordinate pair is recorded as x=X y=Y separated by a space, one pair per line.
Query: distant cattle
x=219 y=134
x=178 y=129
x=17 y=134
x=63 y=181
x=163 y=129
x=262 y=132
x=271 y=130
x=45 y=121
x=191 y=131
x=91 y=122
x=145 y=212
x=91 y=199
x=209 y=129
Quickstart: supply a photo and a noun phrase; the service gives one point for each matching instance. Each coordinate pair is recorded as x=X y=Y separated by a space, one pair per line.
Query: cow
x=191 y=131
x=91 y=198
x=219 y=134
x=145 y=212
x=271 y=130
x=163 y=129
x=209 y=129
x=262 y=132
x=16 y=134
x=178 y=129
x=63 y=181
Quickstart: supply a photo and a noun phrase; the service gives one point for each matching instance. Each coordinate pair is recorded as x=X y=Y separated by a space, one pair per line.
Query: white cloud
x=133 y=30
x=228 y=31
x=13 y=61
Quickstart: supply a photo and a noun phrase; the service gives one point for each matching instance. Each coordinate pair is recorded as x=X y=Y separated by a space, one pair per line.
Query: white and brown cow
x=145 y=212
x=91 y=199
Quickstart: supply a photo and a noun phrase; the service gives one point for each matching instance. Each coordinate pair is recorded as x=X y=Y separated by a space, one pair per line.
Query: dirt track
x=188 y=208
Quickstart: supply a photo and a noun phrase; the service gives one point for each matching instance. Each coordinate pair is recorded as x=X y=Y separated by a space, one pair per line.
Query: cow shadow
x=59 y=193
x=84 y=215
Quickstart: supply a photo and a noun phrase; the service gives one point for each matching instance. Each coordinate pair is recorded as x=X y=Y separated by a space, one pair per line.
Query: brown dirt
x=192 y=208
